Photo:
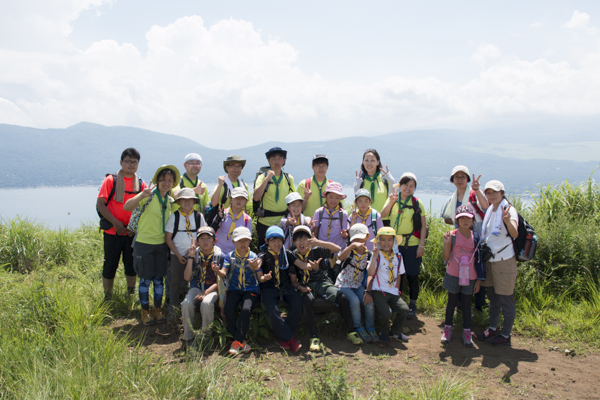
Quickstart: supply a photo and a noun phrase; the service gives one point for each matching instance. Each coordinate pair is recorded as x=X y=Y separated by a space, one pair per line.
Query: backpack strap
x=247 y=219
x=374 y=221
x=197 y=219
x=176 y=226
x=473 y=201
x=181 y=184
x=321 y=211
x=453 y=235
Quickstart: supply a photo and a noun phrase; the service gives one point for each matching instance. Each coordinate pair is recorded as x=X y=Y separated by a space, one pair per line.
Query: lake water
x=69 y=207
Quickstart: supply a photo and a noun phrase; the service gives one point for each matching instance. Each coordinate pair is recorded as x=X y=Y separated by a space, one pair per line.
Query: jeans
x=238 y=327
x=282 y=328
x=355 y=298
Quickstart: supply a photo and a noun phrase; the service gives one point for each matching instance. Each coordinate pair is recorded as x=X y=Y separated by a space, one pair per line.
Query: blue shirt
x=235 y=271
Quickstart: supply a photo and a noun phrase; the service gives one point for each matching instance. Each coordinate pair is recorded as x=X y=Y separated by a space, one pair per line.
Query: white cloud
x=486 y=53
x=535 y=25
x=580 y=21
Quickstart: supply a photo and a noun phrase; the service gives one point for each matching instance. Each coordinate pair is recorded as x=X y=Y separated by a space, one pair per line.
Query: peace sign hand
x=221 y=212
x=354 y=215
x=506 y=214
x=314 y=265
x=307 y=193
x=193 y=248
x=447 y=237
x=394 y=195
x=384 y=173
x=146 y=192
x=475 y=185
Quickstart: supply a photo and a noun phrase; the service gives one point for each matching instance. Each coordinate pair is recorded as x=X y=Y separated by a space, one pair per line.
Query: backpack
x=525 y=244
x=104 y=223
x=473 y=202
x=216 y=224
x=137 y=213
x=211 y=212
x=340 y=266
x=416 y=220
x=385 y=182
x=257 y=206
x=308 y=182
x=399 y=256
x=288 y=232
x=176 y=226
x=322 y=211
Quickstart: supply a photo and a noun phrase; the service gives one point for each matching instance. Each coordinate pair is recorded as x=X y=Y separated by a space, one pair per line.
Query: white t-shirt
x=503 y=240
x=382 y=278
x=182 y=240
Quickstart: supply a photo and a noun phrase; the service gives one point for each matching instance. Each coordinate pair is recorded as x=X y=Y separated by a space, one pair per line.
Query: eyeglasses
x=131 y=162
x=194 y=163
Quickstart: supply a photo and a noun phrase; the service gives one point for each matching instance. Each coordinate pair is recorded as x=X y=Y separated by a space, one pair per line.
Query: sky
x=230 y=74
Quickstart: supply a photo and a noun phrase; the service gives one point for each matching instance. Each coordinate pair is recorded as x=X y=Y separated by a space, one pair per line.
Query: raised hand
x=344 y=234
x=221 y=212
x=506 y=214
x=200 y=189
x=221 y=180
x=384 y=173
x=394 y=194
x=307 y=193
x=447 y=237
x=354 y=214
x=360 y=247
x=314 y=265
x=268 y=277
x=215 y=267
x=148 y=191
x=270 y=174
x=375 y=247
x=255 y=264
x=475 y=184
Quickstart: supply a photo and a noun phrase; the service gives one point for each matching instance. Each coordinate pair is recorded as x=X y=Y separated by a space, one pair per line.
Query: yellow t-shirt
x=228 y=200
x=150 y=226
x=268 y=200
x=381 y=193
x=204 y=199
x=403 y=224
x=315 y=201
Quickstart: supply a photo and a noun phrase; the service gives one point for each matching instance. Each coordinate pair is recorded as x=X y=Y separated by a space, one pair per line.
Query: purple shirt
x=227 y=246
x=336 y=227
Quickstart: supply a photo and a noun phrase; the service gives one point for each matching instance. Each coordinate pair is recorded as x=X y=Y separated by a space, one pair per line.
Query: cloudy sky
x=234 y=73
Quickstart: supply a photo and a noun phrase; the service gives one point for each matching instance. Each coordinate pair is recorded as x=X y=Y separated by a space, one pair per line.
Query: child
x=150 y=251
x=231 y=218
x=315 y=281
x=351 y=281
x=180 y=231
x=362 y=213
x=383 y=282
x=203 y=286
x=331 y=220
x=408 y=218
x=293 y=218
x=316 y=185
x=464 y=270
x=243 y=287
x=275 y=263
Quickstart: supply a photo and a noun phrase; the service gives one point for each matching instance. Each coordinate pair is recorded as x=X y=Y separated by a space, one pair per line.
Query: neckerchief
x=205 y=262
x=390 y=260
x=331 y=213
x=194 y=184
x=314 y=179
x=372 y=180
x=364 y=217
x=305 y=273
x=276 y=182
x=241 y=260
x=188 y=226
x=276 y=268
x=357 y=258
x=163 y=203
x=233 y=221
x=401 y=207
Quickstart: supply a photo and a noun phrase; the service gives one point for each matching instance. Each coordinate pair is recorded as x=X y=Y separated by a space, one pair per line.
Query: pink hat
x=334 y=187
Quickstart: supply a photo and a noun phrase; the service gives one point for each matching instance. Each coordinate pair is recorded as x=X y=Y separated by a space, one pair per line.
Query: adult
x=193 y=164
x=318 y=183
x=114 y=192
x=221 y=197
x=500 y=226
x=270 y=189
x=465 y=194
x=374 y=178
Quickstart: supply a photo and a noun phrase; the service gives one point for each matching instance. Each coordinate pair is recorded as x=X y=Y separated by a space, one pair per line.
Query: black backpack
x=104 y=223
x=211 y=212
x=525 y=244
x=176 y=225
x=257 y=206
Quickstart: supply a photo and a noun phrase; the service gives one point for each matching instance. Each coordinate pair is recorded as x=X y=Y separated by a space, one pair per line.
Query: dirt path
x=528 y=369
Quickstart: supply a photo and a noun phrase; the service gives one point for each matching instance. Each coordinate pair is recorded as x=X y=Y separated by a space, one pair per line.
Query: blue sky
x=230 y=74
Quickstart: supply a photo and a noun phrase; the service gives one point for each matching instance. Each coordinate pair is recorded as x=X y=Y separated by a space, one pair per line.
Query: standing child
x=203 y=286
x=408 y=218
x=316 y=185
x=352 y=279
x=275 y=264
x=231 y=218
x=331 y=220
x=150 y=251
x=314 y=281
x=293 y=218
x=180 y=231
x=464 y=270
x=363 y=213
x=244 y=279
x=383 y=282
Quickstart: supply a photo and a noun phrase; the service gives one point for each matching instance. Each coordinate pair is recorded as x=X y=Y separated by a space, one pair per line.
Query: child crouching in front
x=203 y=286
x=244 y=279
x=383 y=282
x=464 y=270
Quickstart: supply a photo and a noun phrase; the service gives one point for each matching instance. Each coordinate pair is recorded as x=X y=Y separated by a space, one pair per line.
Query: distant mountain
x=82 y=154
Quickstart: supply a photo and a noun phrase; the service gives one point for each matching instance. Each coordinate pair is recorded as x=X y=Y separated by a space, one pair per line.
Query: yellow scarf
x=188 y=226
x=331 y=213
x=357 y=259
x=305 y=273
x=233 y=222
x=364 y=217
x=390 y=260
x=204 y=263
x=241 y=260
x=276 y=269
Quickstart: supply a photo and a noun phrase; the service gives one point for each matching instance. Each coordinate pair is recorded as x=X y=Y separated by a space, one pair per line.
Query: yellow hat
x=387 y=231
x=172 y=168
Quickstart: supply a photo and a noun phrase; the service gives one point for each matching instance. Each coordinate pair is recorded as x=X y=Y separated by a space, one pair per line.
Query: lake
x=69 y=207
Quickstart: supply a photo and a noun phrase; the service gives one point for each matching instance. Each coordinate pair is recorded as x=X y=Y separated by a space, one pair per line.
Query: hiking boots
x=159 y=316
x=499 y=340
x=488 y=334
x=363 y=334
x=447 y=334
x=148 y=318
x=467 y=338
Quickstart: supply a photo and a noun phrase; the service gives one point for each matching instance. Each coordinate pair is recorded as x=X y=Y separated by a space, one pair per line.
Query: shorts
x=502 y=275
x=150 y=260
x=114 y=246
x=412 y=264
x=452 y=286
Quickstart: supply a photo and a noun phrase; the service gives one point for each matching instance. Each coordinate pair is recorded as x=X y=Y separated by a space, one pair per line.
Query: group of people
x=308 y=246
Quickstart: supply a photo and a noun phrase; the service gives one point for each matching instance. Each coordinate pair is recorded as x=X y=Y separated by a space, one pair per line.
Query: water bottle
x=463 y=271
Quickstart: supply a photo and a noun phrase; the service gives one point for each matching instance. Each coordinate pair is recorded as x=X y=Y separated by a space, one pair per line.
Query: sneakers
x=399 y=338
x=159 y=316
x=447 y=334
x=487 y=334
x=237 y=348
x=364 y=335
x=315 y=344
x=148 y=318
x=412 y=311
x=354 y=338
x=284 y=345
x=294 y=345
x=467 y=338
x=499 y=340
x=373 y=334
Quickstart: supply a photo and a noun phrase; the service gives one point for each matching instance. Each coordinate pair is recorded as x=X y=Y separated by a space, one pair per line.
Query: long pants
x=480 y=298
x=188 y=311
x=175 y=285
x=282 y=328
x=413 y=285
x=144 y=292
x=506 y=304
x=261 y=231
x=309 y=315
x=238 y=327
x=355 y=299
x=465 y=301
x=383 y=302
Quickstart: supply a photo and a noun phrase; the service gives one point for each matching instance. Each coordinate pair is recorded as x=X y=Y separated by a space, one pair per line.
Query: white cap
x=294 y=196
x=192 y=157
x=460 y=168
x=358 y=231
x=494 y=185
x=241 y=233
x=239 y=192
